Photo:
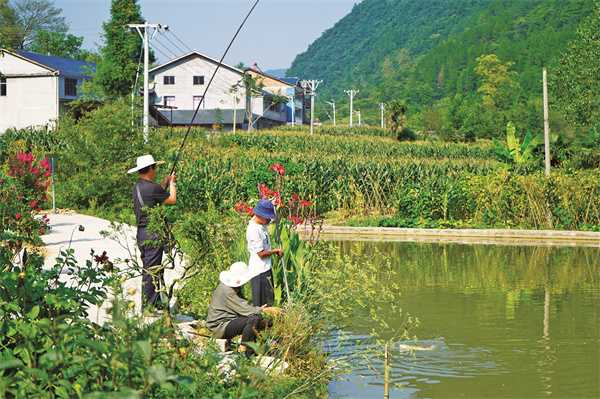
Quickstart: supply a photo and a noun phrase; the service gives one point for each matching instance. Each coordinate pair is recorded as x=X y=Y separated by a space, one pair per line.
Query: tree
x=10 y=33
x=60 y=44
x=121 y=52
x=35 y=16
x=497 y=81
x=577 y=84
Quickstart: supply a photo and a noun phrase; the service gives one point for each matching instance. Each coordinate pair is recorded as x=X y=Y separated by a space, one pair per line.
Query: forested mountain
x=426 y=53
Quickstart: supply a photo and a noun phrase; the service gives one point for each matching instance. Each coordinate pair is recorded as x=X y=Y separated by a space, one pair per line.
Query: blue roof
x=65 y=66
x=292 y=81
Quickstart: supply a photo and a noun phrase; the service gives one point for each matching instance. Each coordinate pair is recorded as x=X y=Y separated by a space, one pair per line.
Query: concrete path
x=65 y=233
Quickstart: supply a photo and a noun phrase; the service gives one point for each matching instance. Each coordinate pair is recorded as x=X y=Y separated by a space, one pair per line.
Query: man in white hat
x=230 y=315
x=148 y=194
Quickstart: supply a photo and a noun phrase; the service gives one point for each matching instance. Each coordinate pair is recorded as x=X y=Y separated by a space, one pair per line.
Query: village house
x=35 y=88
x=179 y=84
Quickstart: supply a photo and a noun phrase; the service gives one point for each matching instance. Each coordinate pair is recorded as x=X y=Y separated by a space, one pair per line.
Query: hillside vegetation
x=429 y=55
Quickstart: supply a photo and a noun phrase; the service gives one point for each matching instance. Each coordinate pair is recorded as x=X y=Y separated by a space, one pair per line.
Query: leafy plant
x=515 y=151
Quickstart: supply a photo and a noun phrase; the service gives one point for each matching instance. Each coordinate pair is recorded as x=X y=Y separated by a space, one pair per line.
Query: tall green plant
x=515 y=151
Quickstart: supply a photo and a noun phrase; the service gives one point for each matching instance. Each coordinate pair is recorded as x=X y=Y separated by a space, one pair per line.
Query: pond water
x=498 y=322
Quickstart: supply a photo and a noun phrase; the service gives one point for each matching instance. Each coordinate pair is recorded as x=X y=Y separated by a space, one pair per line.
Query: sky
x=276 y=32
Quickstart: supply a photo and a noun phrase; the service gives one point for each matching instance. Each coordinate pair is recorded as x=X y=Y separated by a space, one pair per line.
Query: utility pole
x=142 y=30
x=352 y=93
x=382 y=105
x=293 y=100
x=332 y=103
x=546 y=122
x=235 y=103
x=310 y=87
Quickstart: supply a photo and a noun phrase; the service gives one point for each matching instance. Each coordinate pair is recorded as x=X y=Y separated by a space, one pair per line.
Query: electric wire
x=162 y=34
x=189 y=129
x=179 y=40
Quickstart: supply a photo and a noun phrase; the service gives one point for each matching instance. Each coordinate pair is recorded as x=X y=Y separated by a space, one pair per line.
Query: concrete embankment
x=461 y=236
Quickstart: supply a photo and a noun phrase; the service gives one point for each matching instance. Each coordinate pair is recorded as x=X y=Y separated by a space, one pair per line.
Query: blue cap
x=265 y=209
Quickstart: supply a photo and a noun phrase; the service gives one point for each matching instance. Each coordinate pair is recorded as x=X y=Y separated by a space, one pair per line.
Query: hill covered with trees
x=463 y=67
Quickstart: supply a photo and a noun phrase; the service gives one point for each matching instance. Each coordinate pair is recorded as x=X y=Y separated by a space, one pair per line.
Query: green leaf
x=33 y=314
x=145 y=347
x=10 y=364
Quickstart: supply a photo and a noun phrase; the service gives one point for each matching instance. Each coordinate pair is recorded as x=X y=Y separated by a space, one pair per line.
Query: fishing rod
x=187 y=133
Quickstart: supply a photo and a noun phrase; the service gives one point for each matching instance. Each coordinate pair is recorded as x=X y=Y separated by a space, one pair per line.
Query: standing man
x=148 y=194
x=259 y=247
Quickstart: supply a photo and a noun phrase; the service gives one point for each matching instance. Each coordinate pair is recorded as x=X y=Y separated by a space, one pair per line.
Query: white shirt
x=257 y=238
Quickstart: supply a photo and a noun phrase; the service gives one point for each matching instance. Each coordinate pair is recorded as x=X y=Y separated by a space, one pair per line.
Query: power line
x=173 y=43
x=180 y=41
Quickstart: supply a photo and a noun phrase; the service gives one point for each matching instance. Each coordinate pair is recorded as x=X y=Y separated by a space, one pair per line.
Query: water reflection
x=515 y=321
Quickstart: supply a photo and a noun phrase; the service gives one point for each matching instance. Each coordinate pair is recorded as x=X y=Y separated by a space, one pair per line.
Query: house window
x=197 y=100
x=169 y=80
x=3 y=87
x=198 y=80
x=71 y=87
x=169 y=101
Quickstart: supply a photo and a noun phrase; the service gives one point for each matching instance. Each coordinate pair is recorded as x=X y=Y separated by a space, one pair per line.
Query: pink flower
x=25 y=157
x=18 y=216
x=45 y=163
x=33 y=204
x=35 y=171
x=47 y=173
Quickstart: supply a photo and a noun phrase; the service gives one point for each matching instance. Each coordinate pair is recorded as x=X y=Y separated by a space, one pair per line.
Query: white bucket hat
x=143 y=162
x=237 y=275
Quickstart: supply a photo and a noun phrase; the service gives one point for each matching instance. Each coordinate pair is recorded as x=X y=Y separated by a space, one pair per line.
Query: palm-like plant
x=515 y=151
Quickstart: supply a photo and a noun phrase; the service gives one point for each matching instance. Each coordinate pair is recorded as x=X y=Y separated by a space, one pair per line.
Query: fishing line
x=187 y=133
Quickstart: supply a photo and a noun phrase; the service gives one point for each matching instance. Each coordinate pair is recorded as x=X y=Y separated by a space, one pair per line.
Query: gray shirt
x=226 y=306
x=151 y=194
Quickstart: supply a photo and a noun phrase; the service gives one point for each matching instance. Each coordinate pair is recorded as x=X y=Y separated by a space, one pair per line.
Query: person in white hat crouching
x=148 y=194
x=230 y=315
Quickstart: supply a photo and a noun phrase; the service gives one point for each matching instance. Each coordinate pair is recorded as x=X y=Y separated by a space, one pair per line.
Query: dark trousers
x=248 y=327
x=151 y=256
x=262 y=289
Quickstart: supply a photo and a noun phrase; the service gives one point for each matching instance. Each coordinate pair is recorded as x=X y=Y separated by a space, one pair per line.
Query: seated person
x=230 y=315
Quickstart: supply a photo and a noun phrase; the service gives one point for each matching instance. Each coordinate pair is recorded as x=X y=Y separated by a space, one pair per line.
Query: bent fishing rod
x=187 y=133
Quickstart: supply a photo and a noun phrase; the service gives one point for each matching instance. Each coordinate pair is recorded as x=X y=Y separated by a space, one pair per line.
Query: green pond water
x=502 y=322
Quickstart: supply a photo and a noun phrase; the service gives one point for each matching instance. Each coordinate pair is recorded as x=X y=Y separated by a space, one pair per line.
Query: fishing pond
x=494 y=322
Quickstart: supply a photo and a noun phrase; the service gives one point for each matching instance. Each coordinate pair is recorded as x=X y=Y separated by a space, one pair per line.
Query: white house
x=34 y=88
x=179 y=85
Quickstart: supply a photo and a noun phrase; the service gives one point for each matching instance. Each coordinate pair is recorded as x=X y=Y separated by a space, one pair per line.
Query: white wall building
x=180 y=84
x=34 y=88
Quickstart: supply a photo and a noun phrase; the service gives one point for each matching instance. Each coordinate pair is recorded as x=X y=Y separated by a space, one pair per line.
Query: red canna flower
x=277 y=200
x=296 y=220
x=243 y=208
x=33 y=204
x=305 y=203
x=265 y=192
x=295 y=197
x=18 y=216
x=35 y=171
x=278 y=168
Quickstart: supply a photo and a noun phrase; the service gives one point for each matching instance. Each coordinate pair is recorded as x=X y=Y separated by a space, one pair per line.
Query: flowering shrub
x=292 y=213
x=23 y=188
